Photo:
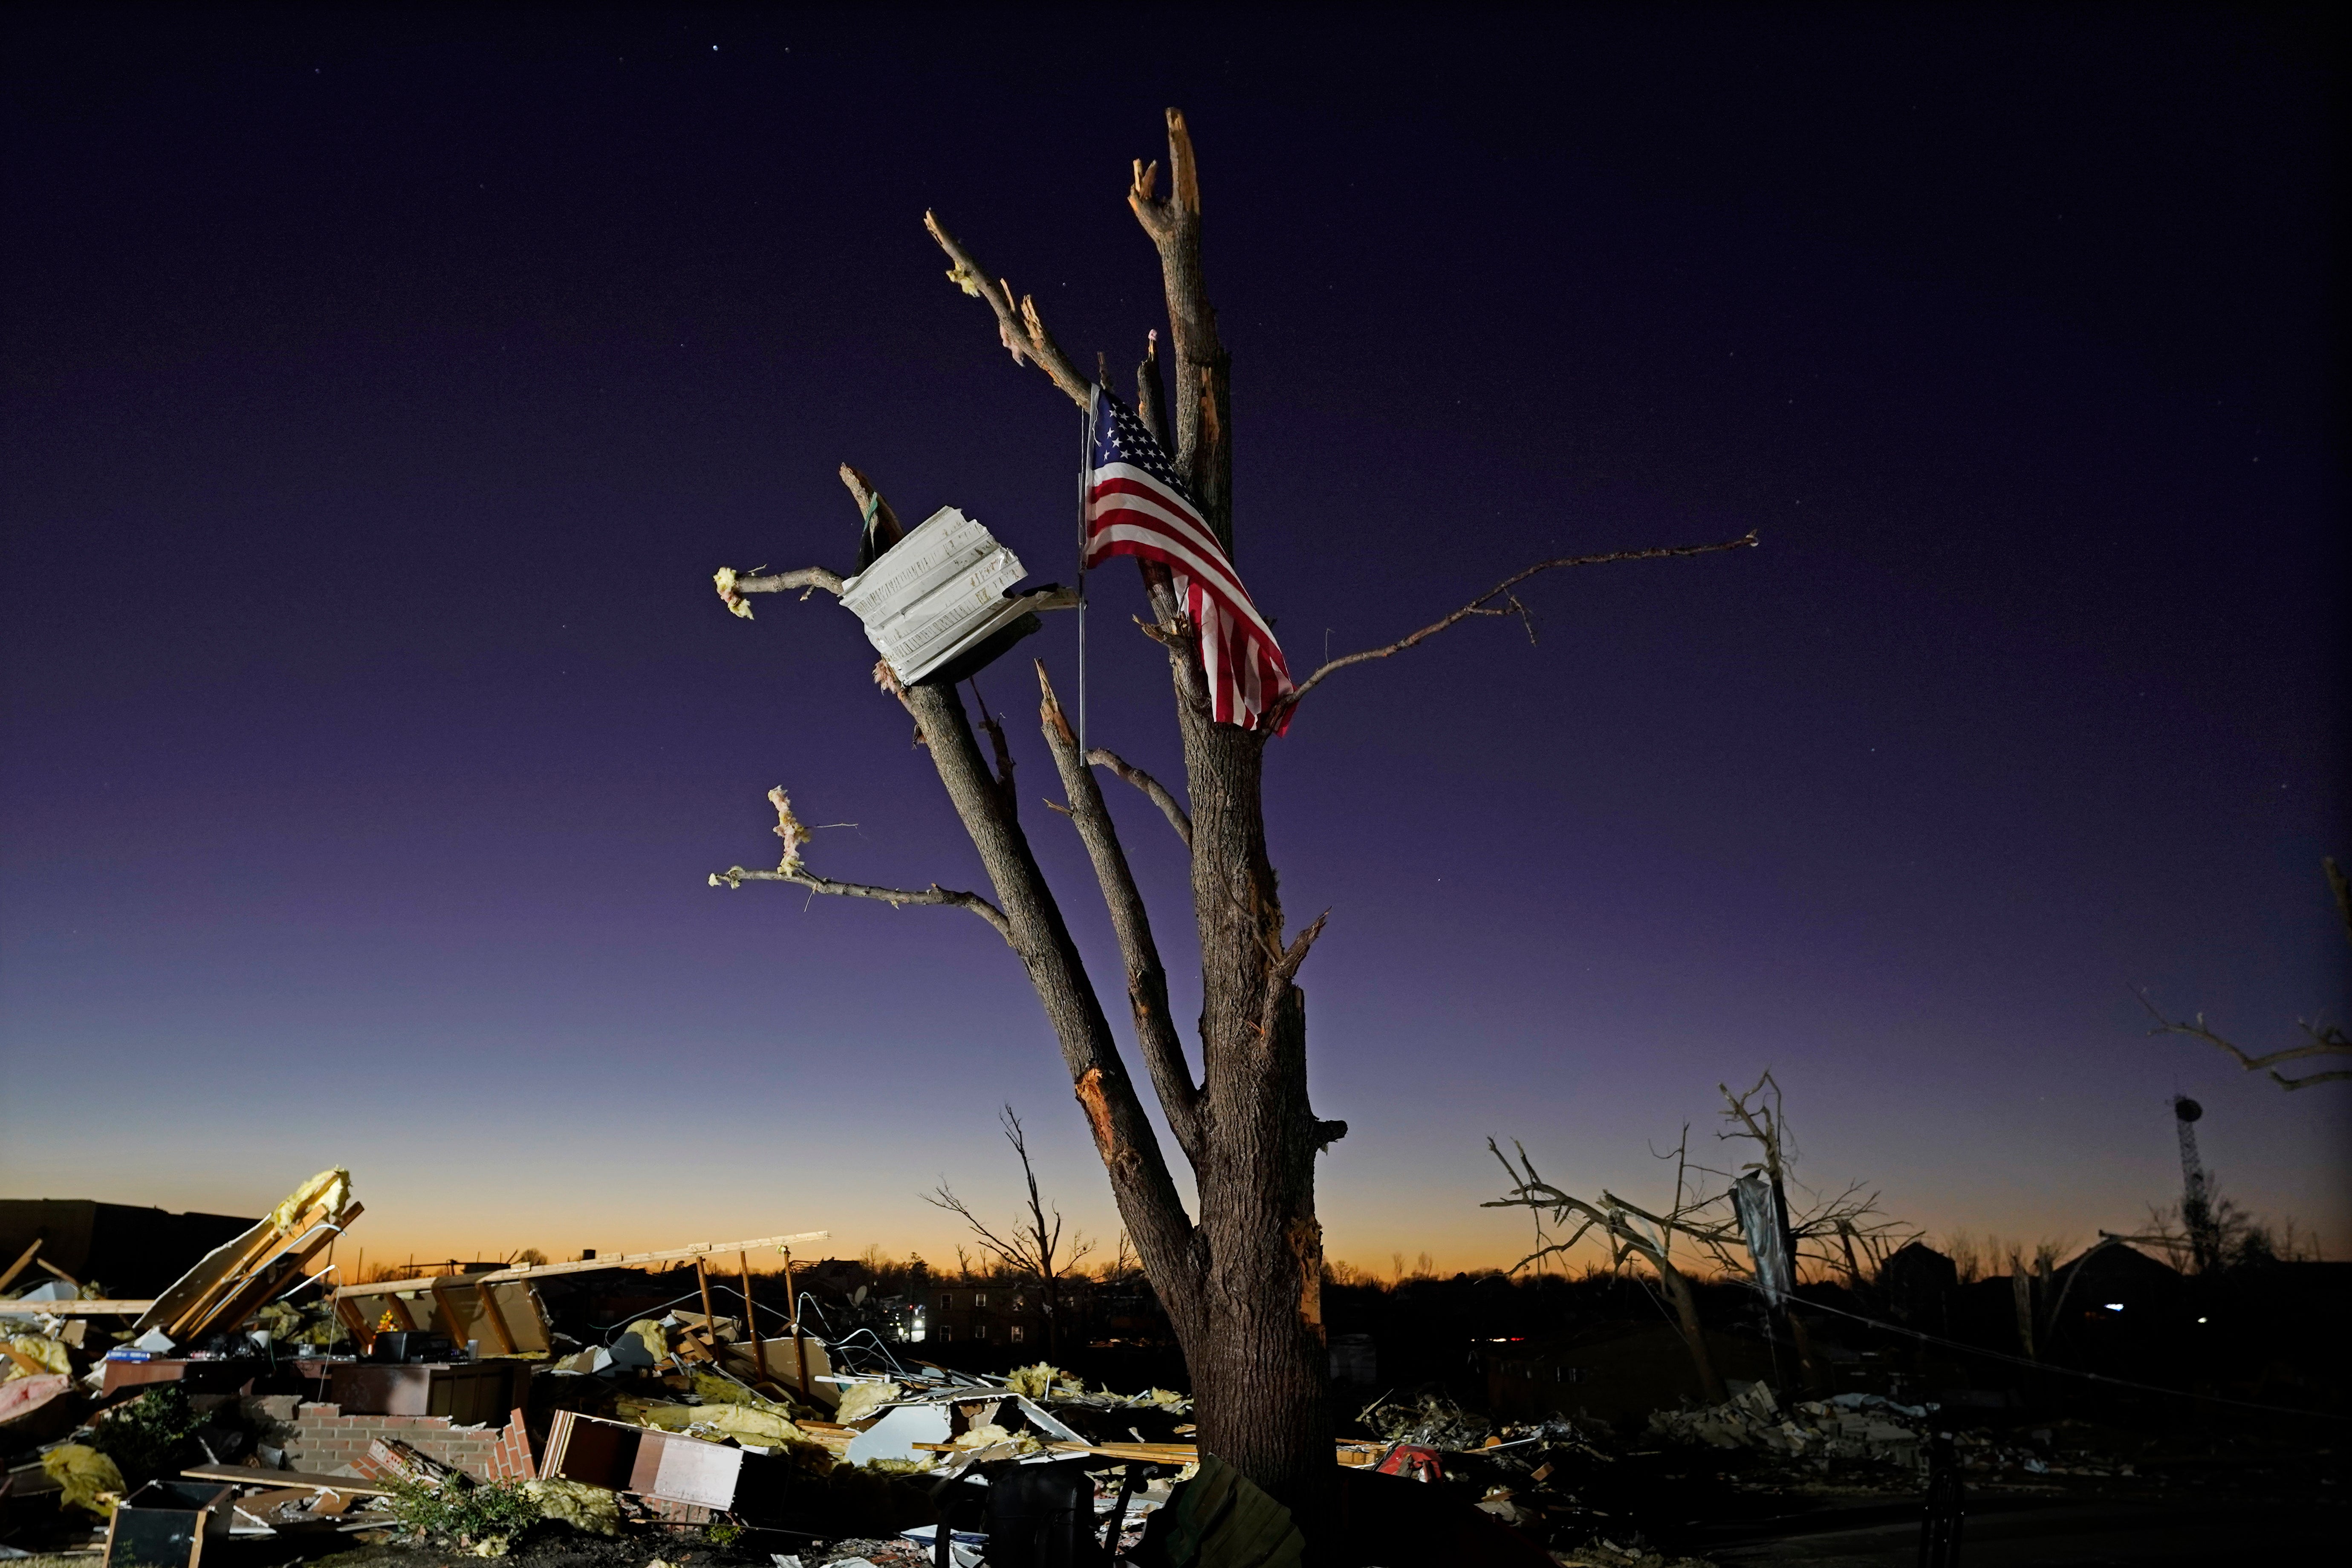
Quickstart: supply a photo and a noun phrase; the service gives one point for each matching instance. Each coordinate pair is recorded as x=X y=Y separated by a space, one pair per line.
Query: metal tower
x=2196 y=1188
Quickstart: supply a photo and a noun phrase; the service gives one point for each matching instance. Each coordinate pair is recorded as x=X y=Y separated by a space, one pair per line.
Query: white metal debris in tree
x=939 y=593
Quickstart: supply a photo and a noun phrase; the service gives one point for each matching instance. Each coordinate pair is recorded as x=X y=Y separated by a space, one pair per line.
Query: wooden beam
x=316 y=1483
x=751 y=1319
x=76 y=1308
x=445 y=1315
x=362 y=1331
x=585 y=1265
x=494 y=1319
x=17 y=1267
x=792 y=1301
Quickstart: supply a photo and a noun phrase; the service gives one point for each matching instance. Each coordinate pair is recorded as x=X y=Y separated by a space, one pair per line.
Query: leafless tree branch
x=1158 y=793
x=790 y=830
x=1614 y=1217
x=1484 y=604
x=1018 y=327
x=1146 y=977
x=2326 y=1040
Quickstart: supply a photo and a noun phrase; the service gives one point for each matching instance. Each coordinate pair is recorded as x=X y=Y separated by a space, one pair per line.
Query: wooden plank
x=309 y=1479
x=494 y=1319
x=751 y=1317
x=1148 y=1453
x=247 y=1296
x=362 y=1331
x=799 y=1341
x=587 y=1265
x=222 y=1268
x=445 y=1318
x=77 y=1308
x=19 y=1266
x=1345 y=1450
x=58 y=1272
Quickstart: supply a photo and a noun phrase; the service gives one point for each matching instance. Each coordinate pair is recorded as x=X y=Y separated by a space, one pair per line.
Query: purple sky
x=382 y=390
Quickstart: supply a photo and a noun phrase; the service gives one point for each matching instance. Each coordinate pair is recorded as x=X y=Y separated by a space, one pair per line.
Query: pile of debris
x=1845 y=1426
x=257 y=1396
x=1868 y=1428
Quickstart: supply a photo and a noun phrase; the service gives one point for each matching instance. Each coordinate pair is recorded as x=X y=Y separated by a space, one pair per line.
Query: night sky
x=382 y=389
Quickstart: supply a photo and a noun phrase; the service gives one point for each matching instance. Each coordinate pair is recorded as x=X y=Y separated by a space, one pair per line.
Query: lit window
x=980 y=1298
x=1019 y=1333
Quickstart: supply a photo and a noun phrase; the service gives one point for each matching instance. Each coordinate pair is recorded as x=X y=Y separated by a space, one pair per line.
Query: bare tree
x=1628 y=1231
x=1241 y=1285
x=1032 y=1250
x=1843 y=1232
x=2321 y=1038
x=1837 y=1232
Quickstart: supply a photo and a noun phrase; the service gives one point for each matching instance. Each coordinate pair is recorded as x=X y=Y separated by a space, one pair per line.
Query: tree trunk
x=1242 y=1286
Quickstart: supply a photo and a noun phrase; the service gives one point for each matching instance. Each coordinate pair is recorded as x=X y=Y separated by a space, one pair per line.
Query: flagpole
x=1085 y=484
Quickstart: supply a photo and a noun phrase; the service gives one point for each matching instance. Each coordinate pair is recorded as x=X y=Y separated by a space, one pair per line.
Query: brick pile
x=322 y=1439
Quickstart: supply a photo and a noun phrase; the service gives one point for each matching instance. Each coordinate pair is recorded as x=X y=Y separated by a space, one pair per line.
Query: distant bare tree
x=1033 y=1249
x=1841 y=1232
x=1842 y=1229
x=1629 y=1232
x=2324 y=1039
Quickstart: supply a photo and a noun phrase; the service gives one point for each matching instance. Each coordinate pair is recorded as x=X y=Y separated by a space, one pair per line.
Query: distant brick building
x=1012 y=1315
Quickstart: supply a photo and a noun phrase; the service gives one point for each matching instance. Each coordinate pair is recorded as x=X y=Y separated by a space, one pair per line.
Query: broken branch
x=1484 y=603
x=795 y=834
x=736 y=875
x=732 y=584
x=1018 y=327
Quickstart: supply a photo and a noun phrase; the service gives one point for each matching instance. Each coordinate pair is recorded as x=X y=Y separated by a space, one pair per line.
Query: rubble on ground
x=260 y=1396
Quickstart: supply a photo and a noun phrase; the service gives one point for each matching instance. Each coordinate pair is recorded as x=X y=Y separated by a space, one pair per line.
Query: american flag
x=1136 y=506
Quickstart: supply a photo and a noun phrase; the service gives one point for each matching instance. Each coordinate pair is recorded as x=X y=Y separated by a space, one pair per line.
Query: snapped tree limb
x=1018 y=326
x=791 y=870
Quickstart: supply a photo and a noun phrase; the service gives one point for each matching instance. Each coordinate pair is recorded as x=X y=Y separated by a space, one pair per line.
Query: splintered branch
x=881 y=523
x=1018 y=327
x=1169 y=807
x=790 y=828
x=2326 y=1040
x=1278 y=987
x=1203 y=400
x=733 y=585
x=1484 y=604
